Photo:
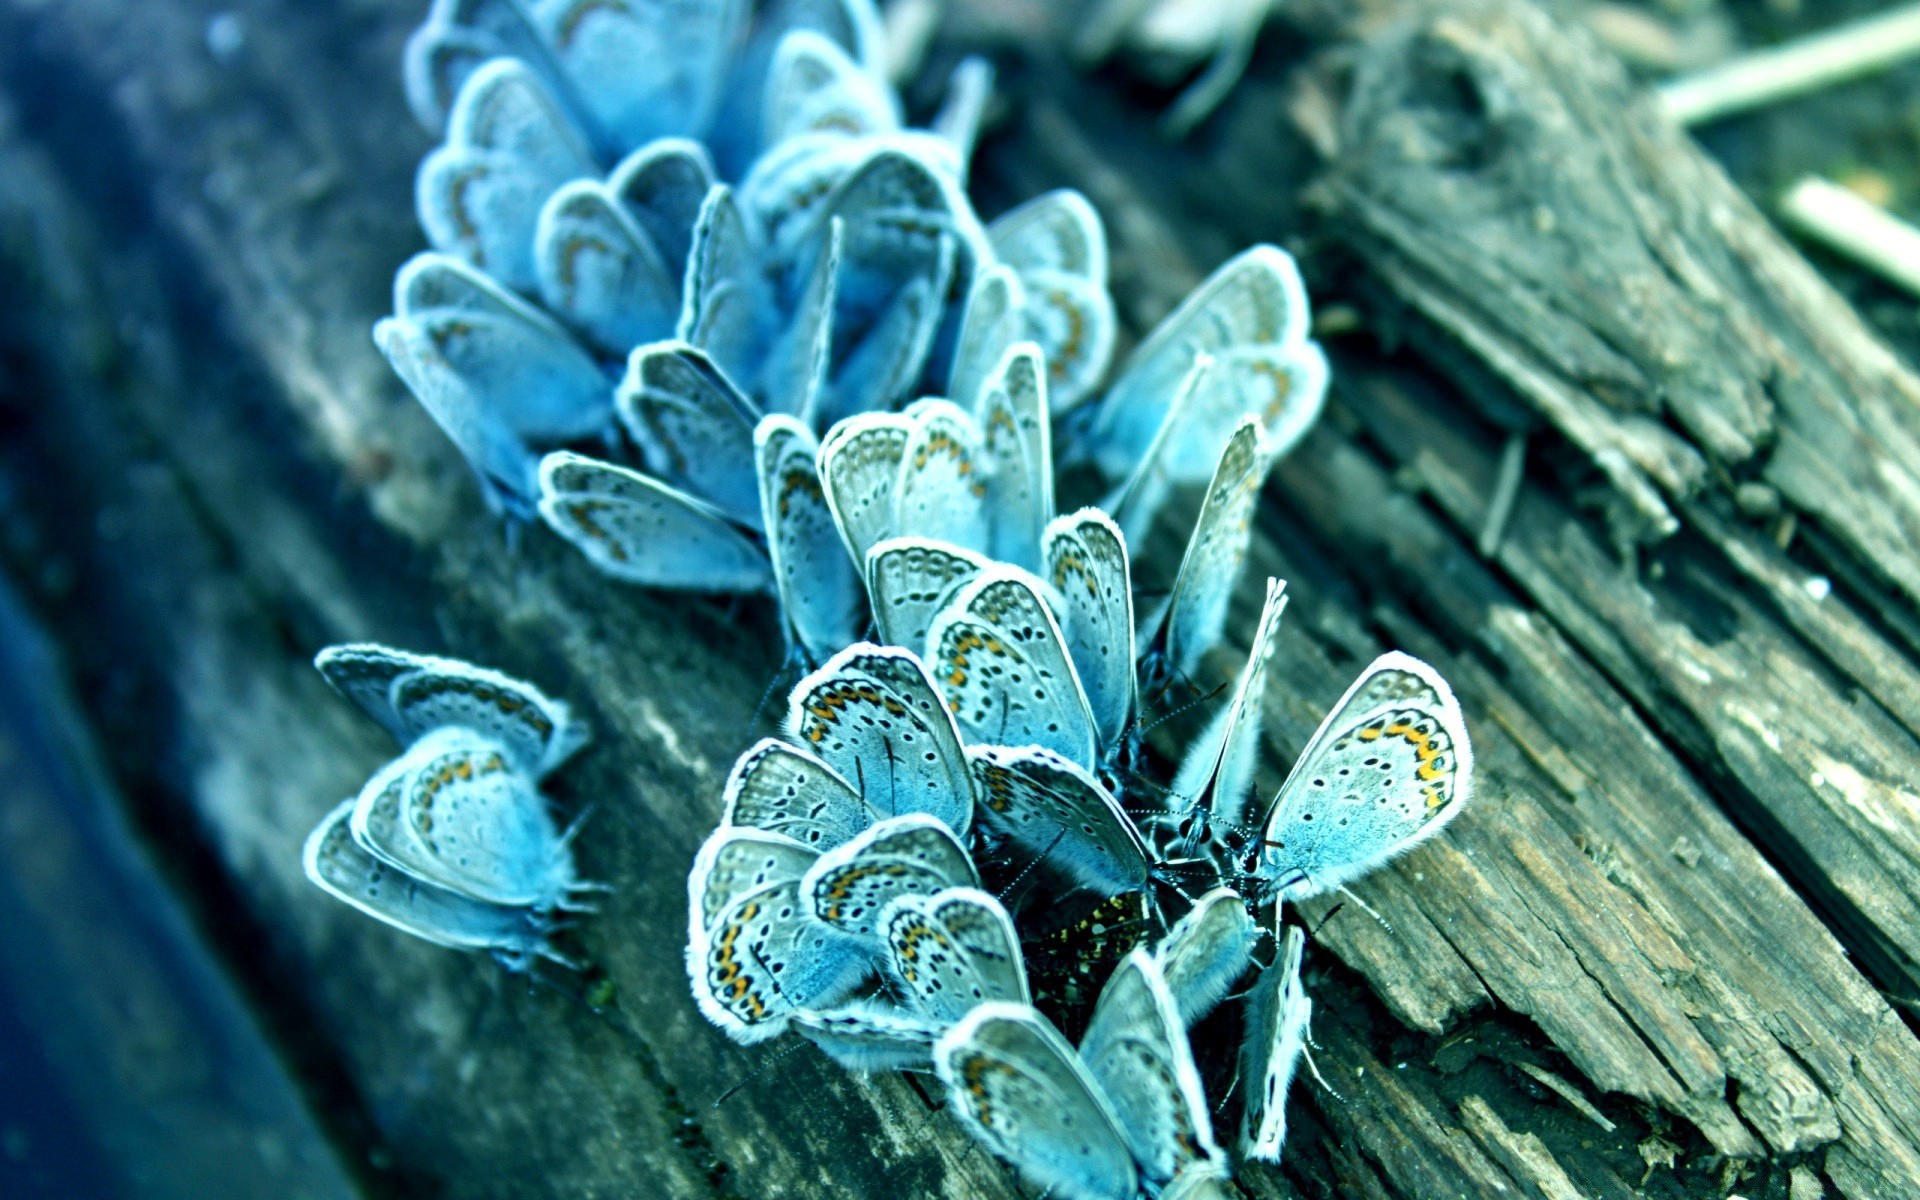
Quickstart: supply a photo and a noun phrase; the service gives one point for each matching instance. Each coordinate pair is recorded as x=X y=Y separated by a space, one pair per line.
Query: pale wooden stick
x=1856 y=227
x=1793 y=69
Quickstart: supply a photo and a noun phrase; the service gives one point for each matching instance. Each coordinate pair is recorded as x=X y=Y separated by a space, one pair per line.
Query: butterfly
x=610 y=257
x=1387 y=769
x=452 y=841
x=510 y=144
x=1276 y=1036
x=980 y=481
x=1162 y=422
x=1216 y=775
x=457 y=811
x=1123 y=1112
x=410 y=695
x=500 y=376
x=1206 y=950
x=1000 y=660
x=779 y=930
x=1182 y=629
x=340 y=866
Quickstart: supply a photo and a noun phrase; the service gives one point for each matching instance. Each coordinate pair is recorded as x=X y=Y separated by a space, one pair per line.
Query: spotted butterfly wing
x=411 y=694
x=872 y=715
x=782 y=789
x=908 y=578
x=819 y=590
x=1136 y=1048
x=1018 y=1086
x=338 y=865
x=1000 y=660
x=636 y=528
x=510 y=144
x=695 y=425
x=1086 y=563
x=755 y=956
x=455 y=811
x=1054 y=811
x=852 y=884
x=1386 y=770
x=952 y=951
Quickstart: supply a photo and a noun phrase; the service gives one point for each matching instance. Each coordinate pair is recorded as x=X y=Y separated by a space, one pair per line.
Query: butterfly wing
x=497 y=375
x=1086 y=562
x=873 y=716
x=1197 y=609
x=783 y=789
x=755 y=957
x=662 y=186
x=470 y=821
x=1206 y=951
x=860 y=468
x=1216 y=776
x=912 y=855
x=815 y=86
x=819 y=589
x=1001 y=661
x=1017 y=1085
x=952 y=951
x=908 y=578
x=636 y=528
x=1255 y=299
x=410 y=694
x=341 y=867
x=1136 y=1048
x=1386 y=770
x=643 y=71
x=993 y=320
x=1053 y=809
x=695 y=425
x=510 y=144
x=1017 y=440
x=946 y=477
x=600 y=272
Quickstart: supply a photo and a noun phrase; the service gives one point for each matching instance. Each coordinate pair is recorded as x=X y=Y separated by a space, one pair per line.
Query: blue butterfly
x=498 y=375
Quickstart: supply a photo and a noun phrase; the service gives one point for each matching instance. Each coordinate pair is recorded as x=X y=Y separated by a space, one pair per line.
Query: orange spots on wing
x=1073 y=347
x=1282 y=383
x=801 y=480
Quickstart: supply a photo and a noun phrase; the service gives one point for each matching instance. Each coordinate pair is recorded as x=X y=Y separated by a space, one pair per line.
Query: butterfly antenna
x=758 y=1071
x=1233 y=1085
x=1367 y=908
x=1028 y=869
x=1306 y=1052
x=1313 y=935
x=1170 y=714
x=793 y=660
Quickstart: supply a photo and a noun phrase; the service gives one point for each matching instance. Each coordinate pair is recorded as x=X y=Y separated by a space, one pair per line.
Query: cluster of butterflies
x=701 y=301
x=960 y=800
x=452 y=841
x=675 y=244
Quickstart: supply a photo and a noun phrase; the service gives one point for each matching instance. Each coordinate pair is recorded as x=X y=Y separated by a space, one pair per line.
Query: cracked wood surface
x=1633 y=954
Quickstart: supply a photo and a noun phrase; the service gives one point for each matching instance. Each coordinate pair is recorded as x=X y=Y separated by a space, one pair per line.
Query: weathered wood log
x=1622 y=972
